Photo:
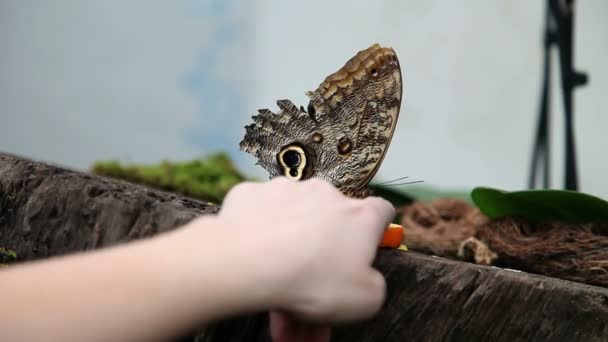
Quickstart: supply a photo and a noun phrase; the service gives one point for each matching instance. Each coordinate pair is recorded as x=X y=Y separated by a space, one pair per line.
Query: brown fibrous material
x=455 y=229
x=571 y=251
x=439 y=227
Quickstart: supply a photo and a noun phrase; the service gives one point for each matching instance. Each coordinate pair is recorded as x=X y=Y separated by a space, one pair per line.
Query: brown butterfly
x=344 y=133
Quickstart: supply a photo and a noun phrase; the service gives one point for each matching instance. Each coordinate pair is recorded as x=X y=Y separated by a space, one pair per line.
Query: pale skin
x=278 y=246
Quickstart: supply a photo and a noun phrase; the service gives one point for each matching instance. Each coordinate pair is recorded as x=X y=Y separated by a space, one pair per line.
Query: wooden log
x=47 y=210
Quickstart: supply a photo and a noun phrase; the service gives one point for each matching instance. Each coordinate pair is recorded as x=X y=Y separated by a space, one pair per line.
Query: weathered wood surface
x=46 y=211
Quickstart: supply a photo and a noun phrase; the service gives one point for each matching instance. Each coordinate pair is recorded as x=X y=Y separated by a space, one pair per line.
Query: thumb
x=287 y=329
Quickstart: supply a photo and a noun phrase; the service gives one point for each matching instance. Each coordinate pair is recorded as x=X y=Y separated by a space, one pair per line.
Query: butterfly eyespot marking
x=374 y=72
x=291 y=158
x=344 y=146
x=292 y=161
x=317 y=137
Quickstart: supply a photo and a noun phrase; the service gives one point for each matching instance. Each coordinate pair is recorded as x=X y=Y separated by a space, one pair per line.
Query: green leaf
x=396 y=197
x=541 y=205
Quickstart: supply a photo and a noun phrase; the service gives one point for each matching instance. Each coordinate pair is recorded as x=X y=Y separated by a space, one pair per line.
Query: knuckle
x=363 y=209
x=368 y=214
x=360 y=213
x=318 y=184
x=377 y=291
x=379 y=206
x=243 y=187
x=282 y=184
x=280 y=180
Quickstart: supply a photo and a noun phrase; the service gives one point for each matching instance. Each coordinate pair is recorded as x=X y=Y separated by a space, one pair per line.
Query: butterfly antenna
x=394 y=180
x=406 y=183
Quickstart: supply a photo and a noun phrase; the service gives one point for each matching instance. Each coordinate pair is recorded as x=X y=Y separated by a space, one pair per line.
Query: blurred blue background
x=142 y=81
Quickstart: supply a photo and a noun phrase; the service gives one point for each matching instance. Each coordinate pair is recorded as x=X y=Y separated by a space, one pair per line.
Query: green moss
x=212 y=177
x=7 y=256
x=208 y=179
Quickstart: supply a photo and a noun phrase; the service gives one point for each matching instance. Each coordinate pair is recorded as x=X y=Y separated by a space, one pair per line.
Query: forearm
x=140 y=291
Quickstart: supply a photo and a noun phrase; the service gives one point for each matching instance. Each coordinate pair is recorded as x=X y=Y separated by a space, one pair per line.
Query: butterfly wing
x=271 y=136
x=346 y=131
x=362 y=101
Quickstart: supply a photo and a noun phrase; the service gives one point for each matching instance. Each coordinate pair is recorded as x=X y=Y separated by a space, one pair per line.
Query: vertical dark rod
x=541 y=152
x=563 y=10
x=545 y=120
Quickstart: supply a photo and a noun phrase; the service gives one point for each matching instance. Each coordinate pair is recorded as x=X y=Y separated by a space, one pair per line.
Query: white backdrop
x=472 y=72
x=146 y=80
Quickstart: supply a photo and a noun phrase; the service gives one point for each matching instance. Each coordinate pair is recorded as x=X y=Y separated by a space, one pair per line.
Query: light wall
x=142 y=81
x=472 y=72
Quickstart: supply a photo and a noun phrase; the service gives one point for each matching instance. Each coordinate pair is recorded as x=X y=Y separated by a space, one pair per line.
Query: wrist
x=219 y=269
x=247 y=263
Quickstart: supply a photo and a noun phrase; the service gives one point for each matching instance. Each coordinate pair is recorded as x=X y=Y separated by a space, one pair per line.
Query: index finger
x=385 y=212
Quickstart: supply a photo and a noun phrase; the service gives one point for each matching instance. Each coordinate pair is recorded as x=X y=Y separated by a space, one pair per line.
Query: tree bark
x=47 y=211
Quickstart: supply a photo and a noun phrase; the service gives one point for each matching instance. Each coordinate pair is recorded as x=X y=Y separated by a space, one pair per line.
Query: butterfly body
x=344 y=133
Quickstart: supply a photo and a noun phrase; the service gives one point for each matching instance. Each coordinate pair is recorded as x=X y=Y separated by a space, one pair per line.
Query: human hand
x=292 y=236
x=301 y=250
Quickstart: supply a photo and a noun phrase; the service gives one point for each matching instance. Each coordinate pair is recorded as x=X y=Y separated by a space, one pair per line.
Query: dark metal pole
x=559 y=30
x=541 y=153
